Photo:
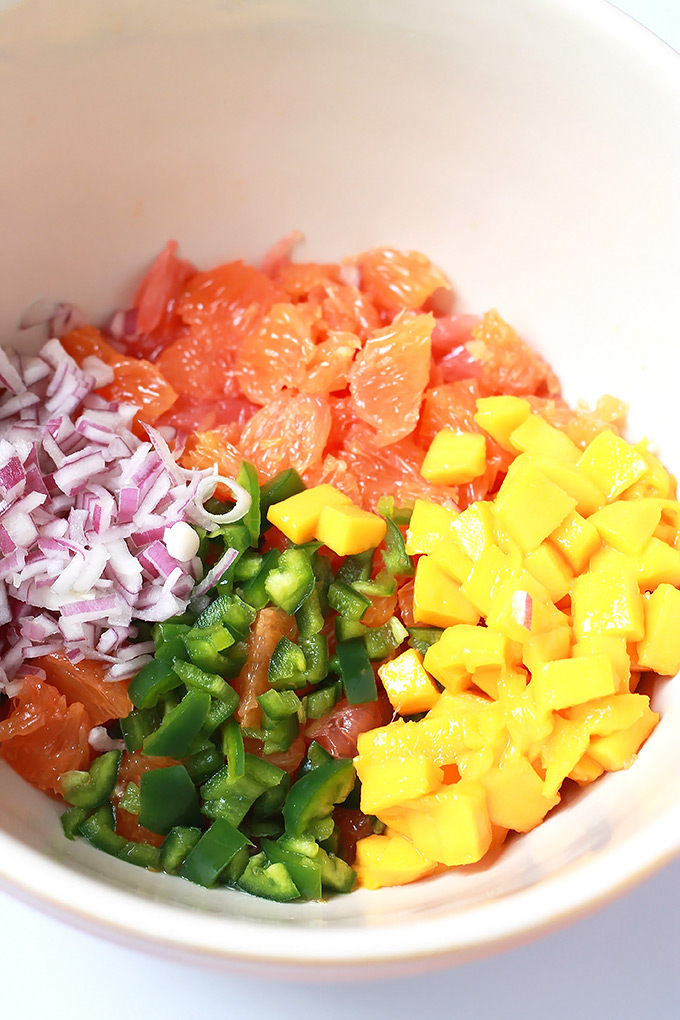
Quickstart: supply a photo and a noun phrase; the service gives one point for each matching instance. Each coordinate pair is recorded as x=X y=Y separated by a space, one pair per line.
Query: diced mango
x=515 y=794
x=615 y=712
x=529 y=506
x=486 y=577
x=660 y=647
x=550 y=568
x=655 y=482
x=399 y=739
x=454 y=458
x=471 y=647
x=565 y=682
x=486 y=678
x=577 y=540
x=658 y=563
x=607 y=602
x=452 y=675
x=534 y=435
x=520 y=613
x=546 y=647
x=627 y=525
x=474 y=529
x=407 y=685
x=612 y=464
x=562 y=751
x=298 y=516
x=437 y=599
x=500 y=416
x=572 y=481
x=619 y=750
x=611 y=645
x=528 y=722
x=389 y=859
x=347 y=529
x=449 y=556
x=451 y=827
x=386 y=783
x=430 y=524
x=586 y=770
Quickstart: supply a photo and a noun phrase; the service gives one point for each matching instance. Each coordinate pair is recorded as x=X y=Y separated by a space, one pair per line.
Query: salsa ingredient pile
x=306 y=579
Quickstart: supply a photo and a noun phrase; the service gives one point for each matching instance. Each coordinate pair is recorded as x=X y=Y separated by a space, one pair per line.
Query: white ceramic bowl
x=532 y=147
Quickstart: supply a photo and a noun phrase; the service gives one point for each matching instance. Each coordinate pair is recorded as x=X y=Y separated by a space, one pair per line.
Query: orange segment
x=508 y=365
x=290 y=431
x=399 y=279
x=85 y=682
x=275 y=356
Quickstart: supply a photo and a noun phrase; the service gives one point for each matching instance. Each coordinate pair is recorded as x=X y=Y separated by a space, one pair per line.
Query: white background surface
x=623 y=962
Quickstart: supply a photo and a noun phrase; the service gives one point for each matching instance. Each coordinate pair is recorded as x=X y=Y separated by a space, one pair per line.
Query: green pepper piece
x=401 y=515
x=336 y=874
x=168 y=640
x=346 y=629
x=168 y=798
x=154 y=679
x=320 y=702
x=287 y=666
x=263 y=828
x=235 y=659
x=204 y=763
x=272 y=800
x=231 y=797
x=383 y=585
x=176 y=847
x=218 y=713
x=91 y=789
x=248 y=566
x=253 y=591
x=315 y=650
x=305 y=871
x=235 y=868
x=281 y=735
x=231 y=611
x=282 y=486
x=396 y=559
x=71 y=821
x=422 y=638
x=198 y=680
x=309 y=617
x=382 y=641
x=247 y=477
x=357 y=673
x=210 y=856
x=347 y=600
x=205 y=645
x=99 y=832
x=279 y=705
x=270 y=881
x=356 y=568
x=311 y=799
x=316 y=756
x=138 y=725
x=291 y=581
x=180 y=727
x=233 y=749
x=131 y=800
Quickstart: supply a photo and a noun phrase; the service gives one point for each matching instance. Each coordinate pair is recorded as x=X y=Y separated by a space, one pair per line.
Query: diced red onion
x=99 y=740
x=215 y=573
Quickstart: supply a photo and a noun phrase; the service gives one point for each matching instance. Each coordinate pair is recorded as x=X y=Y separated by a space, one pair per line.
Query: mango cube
x=612 y=645
x=472 y=647
x=612 y=464
x=387 y=783
x=437 y=599
x=550 y=568
x=627 y=525
x=607 y=602
x=486 y=577
x=655 y=482
x=565 y=682
x=534 y=435
x=619 y=750
x=455 y=458
x=572 y=481
x=450 y=557
x=298 y=516
x=660 y=647
x=451 y=827
x=562 y=751
x=529 y=506
x=604 y=716
x=407 y=685
x=658 y=563
x=430 y=524
x=389 y=859
x=474 y=529
x=347 y=529
x=546 y=647
x=515 y=794
x=500 y=416
x=577 y=539
x=586 y=770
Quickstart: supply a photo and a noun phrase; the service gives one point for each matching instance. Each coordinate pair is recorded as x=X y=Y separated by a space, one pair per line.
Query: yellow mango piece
x=389 y=859
x=572 y=481
x=471 y=647
x=298 y=516
x=615 y=712
x=474 y=530
x=586 y=770
x=486 y=678
x=659 y=649
x=407 y=685
x=607 y=602
x=655 y=482
x=528 y=723
x=627 y=525
x=546 y=647
x=454 y=458
x=486 y=577
x=534 y=435
x=657 y=564
x=612 y=464
x=451 y=827
x=437 y=599
x=619 y=750
x=529 y=506
x=562 y=751
x=452 y=675
x=515 y=794
x=500 y=416
x=399 y=739
x=520 y=612
x=387 y=783
x=550 y=568
x=565 y=682
x=449 y=556
x=430 y=524
x=611 y=645
x=347 y=529
x=577 y=540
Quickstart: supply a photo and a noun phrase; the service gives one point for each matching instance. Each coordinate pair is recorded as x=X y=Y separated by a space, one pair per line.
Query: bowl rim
x=218 y=940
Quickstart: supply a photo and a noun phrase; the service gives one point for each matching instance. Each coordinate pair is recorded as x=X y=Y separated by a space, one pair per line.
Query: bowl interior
x=532 y=148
